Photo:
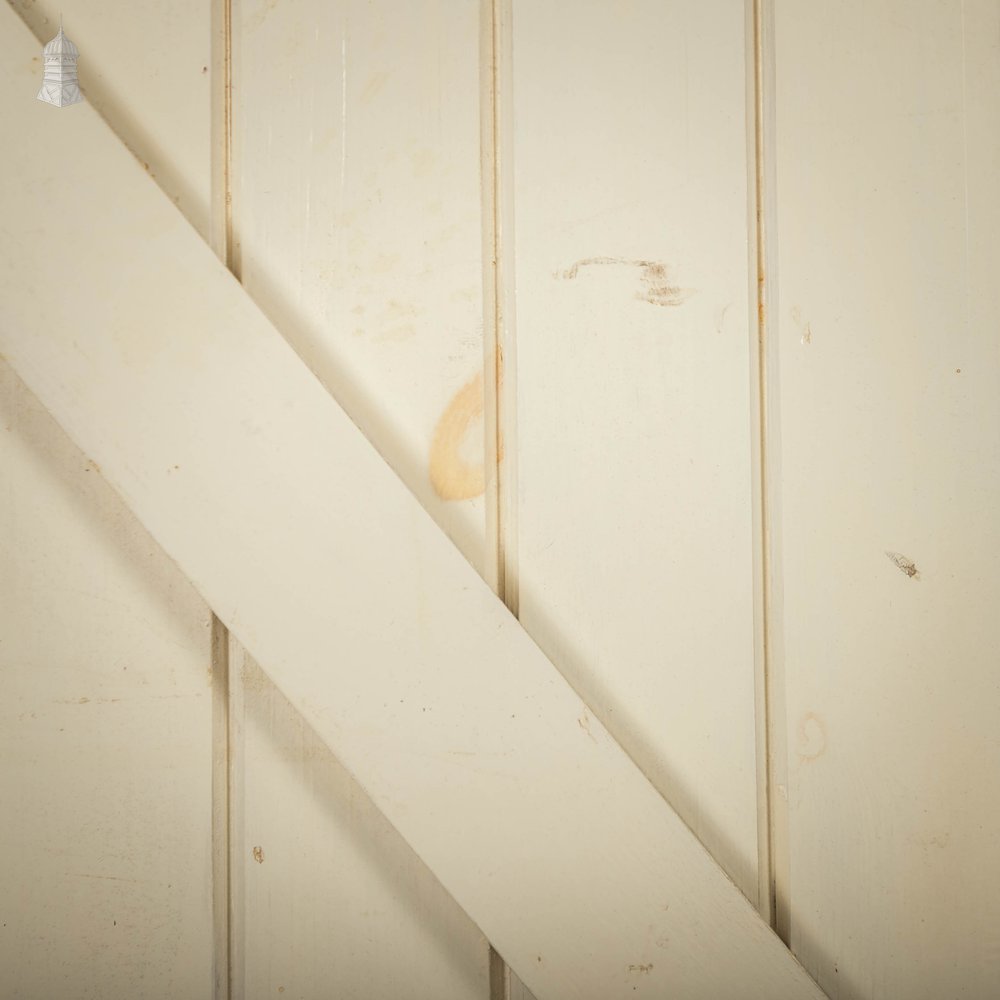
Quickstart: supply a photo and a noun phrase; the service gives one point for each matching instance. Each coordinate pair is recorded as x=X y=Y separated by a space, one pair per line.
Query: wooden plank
x=888 y=214
x=357 y=223
x=105 y=734
x=339 y=584
x=633 y=384
x=356 y=211
x=334 y=900
x=105 y=660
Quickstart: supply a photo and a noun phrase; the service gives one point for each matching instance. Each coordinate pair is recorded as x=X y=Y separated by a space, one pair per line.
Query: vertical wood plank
x=105 y=731
x=105 y=650
x=357 y=227
x=633 y=382
x=888 y=136
x=358 y=231
x=335 y=902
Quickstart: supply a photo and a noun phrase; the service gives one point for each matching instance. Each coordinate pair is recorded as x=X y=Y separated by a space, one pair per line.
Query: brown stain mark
x=907 y=566
x=811 y=737
x=452 y=477
x=656 y=287
x=584 y=723
x=646 y=969
x=258 y=855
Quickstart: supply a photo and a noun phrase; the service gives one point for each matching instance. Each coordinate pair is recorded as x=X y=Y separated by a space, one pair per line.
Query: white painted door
x=676 y=319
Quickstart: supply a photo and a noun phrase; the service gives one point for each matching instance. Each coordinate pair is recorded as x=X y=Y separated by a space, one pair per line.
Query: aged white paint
x=105 y=735
x=105 y=685
x=887 y=208
x=144 y=66
x=379 y=631
x=331 y=900
x=357 y=209
x=355 y=222
x=633 y=382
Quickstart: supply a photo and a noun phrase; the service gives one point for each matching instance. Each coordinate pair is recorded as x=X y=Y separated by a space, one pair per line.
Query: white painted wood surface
x=105 y=660
x=332 y=901
x=153 y=327
x=356 y=228
x=105 y=735
x=358 y=212
x=145 y=67
x=357 y=223
x=633 y=388
x=887 y=141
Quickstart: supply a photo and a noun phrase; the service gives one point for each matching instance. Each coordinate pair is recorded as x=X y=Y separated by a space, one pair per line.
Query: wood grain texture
x=328 y=571
x=633 y=388
x=888 y=136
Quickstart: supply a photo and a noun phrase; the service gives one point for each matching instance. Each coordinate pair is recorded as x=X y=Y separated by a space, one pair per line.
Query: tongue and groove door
x=618 y=509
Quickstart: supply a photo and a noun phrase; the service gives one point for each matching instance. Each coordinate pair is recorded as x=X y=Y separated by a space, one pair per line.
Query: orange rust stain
x=452 y=477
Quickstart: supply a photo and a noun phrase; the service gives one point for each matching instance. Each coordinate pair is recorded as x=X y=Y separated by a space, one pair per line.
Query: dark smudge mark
x=907 y=566
x=656 y=286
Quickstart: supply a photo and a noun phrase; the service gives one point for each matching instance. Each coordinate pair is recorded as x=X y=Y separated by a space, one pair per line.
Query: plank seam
x=499 y=367
x=220 y=236
x=772 y=766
